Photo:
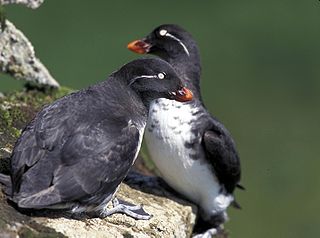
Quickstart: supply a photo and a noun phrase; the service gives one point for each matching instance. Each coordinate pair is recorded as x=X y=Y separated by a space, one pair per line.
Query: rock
x=172 y=216
x=17 y=57
x=29 y=3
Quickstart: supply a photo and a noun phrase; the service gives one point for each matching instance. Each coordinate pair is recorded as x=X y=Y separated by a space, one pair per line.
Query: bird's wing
x=93 y=163
x=41 y=136
x=221 y=153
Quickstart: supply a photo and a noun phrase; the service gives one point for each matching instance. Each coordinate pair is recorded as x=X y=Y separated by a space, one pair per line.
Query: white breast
x=141 y=128
x=167 y=131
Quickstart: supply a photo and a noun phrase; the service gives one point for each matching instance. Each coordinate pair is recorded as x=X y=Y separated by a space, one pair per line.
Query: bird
x=76 y=151
x=193 y=151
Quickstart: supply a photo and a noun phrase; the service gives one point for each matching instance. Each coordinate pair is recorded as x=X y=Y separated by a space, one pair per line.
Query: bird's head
x=154 y=78
x=167 y=41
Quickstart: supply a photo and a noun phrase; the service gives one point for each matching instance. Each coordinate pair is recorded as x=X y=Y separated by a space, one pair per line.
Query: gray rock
x=17 y=58
x=171 y=218
x=29 y=3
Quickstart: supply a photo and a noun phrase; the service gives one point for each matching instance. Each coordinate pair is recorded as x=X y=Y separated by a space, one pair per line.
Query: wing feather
x=222 y=154
x=92 y=166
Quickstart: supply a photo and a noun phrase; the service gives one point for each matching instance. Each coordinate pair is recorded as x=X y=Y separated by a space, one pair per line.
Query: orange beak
x=183 y=95
x=139 y=46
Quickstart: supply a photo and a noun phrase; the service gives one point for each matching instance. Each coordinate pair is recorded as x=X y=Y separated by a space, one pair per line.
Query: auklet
x=194 y=152
x=76 y=151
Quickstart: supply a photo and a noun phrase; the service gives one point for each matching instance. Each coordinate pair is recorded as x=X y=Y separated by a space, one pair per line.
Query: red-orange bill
x=139 y=46
x=183 y=95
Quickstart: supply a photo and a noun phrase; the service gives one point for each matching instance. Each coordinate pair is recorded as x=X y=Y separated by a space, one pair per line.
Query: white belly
x=168 y=129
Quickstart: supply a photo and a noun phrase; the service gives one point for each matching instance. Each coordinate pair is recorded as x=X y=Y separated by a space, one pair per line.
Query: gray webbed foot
x=120 y=206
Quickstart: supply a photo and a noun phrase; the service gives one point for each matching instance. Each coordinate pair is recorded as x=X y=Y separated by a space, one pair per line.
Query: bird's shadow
x=153 y=185
x=49 y=213
x=5 y=165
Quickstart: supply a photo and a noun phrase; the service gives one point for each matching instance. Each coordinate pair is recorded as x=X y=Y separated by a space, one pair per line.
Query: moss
x=26 y=232
x=45 y=232
x=62 y=91
x=7 y=118
x=2 y=224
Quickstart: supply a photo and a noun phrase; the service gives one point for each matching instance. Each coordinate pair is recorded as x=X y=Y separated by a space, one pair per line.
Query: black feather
x=240 y=187
x=222 y=155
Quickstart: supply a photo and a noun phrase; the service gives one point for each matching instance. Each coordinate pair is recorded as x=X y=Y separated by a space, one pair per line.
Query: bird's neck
x=125 y=100
x=189 y=70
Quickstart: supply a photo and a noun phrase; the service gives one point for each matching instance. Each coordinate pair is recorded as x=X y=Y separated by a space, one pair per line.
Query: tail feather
x=240 y=187
x=6 y=181
x=236 y=205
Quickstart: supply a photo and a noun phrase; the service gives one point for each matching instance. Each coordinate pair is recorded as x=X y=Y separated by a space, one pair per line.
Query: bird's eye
x=161 y=75
x=163 y=32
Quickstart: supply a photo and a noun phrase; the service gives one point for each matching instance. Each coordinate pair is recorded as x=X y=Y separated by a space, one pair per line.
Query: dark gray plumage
x=77 y=150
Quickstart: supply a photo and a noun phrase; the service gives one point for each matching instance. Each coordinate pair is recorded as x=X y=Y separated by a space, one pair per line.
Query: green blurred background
x=261 y=77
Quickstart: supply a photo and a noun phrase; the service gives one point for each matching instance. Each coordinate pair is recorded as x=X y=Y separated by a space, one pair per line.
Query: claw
x=119 y=206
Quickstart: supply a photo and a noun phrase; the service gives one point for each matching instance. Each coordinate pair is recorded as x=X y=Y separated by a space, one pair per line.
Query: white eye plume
x=163 y=32
x=161 y=75
x=180 y=42
x=158 y=76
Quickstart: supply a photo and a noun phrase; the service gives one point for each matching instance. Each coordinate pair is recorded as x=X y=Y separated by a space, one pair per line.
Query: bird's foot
x=120 y=206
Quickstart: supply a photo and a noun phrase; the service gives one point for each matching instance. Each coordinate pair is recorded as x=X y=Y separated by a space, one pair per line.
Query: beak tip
x=187 y=95
x=138 y=46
